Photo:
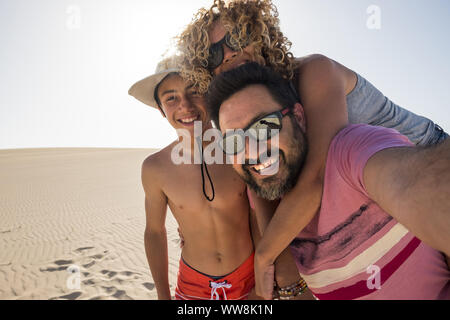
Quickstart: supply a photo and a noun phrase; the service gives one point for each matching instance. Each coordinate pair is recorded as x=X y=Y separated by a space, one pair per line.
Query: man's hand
x=264 y=278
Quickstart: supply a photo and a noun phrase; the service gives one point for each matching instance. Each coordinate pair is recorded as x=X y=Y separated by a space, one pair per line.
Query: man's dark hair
x=227 y=84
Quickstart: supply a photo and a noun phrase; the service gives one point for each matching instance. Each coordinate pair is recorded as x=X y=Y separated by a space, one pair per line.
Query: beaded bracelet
x=292 y=291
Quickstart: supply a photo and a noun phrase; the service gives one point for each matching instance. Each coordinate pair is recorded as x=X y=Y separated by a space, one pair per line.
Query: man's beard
x=276 y=186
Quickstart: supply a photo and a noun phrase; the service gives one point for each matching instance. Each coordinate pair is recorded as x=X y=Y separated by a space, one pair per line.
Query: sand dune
x=72 y=224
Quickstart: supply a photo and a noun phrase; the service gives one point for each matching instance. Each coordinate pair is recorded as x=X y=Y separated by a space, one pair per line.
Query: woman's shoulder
x=317 y=58
x=310 y=65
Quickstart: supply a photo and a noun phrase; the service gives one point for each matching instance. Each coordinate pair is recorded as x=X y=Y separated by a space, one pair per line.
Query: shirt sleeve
x=354 y=146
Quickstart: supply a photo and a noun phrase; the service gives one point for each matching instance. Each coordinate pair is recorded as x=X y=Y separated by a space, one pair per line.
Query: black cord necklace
x=204 y=167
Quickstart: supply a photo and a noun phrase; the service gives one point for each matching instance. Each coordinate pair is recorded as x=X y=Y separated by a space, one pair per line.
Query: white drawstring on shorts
x=221 y=285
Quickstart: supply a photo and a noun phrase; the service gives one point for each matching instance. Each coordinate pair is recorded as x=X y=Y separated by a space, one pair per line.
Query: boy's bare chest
x=184 y=187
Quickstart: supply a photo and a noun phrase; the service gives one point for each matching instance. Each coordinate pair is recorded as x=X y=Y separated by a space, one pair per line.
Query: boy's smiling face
x=181 y=103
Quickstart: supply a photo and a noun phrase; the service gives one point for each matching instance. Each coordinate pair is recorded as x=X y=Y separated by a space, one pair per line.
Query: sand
x=72 y=225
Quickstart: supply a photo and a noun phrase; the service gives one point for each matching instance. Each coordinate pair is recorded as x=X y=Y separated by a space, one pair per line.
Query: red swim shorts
x=193 y=285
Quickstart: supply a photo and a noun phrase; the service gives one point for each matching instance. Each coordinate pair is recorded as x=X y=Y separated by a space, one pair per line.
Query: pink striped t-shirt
x=352 y=249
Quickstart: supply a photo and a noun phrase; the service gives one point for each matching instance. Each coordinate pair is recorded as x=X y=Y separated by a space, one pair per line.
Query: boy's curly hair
x=254 y=19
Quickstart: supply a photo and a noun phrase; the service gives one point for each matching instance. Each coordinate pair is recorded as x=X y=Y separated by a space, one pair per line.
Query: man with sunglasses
x=261 y=130
x=381 y=227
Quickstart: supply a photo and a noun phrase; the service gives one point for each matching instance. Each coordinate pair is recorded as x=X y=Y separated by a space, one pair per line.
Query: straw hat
x=144 y=90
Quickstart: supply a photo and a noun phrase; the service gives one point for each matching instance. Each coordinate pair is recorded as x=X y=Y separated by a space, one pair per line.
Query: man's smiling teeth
x=263 y=166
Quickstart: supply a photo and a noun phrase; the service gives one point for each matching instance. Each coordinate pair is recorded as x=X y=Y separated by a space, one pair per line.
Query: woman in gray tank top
x=215 y=42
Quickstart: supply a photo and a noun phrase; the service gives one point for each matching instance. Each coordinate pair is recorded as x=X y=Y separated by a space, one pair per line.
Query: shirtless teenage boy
x=217 y=256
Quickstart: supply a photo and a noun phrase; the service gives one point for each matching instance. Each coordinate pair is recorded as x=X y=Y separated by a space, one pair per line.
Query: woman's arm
x=284 y=271
x=323 y=87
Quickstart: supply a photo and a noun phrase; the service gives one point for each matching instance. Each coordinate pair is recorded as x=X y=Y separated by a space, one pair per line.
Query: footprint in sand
x=121 y=295
x=129 y=273
x=61 y=265
x=89 y=282
x=51 y=269
x=110 y=274
x=88 y=265
x=63 y=262
x=94 y=258
x=71 y=296
x=149 y=286
x=84 y=249
x=109 y=289
x=118 y=294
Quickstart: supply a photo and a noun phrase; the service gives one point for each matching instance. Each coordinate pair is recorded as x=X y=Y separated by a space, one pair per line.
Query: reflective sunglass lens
x=263 y=128
x=216 y=53
x=215 y=57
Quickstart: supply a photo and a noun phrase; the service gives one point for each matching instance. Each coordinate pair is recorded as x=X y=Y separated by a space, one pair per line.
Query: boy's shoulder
x=157 y=163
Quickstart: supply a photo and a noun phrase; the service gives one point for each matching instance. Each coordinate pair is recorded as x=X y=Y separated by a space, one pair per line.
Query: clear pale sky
x=66 y=66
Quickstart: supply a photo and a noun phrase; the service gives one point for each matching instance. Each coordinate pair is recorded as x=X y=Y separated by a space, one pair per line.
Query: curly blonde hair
x=256 y=22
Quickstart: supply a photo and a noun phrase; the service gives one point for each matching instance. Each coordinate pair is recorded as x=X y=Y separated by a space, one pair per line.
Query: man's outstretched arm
x=413 y=185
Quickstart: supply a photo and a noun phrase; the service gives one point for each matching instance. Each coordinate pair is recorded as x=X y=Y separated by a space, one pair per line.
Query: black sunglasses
x=262 y=129
x=216 y=51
